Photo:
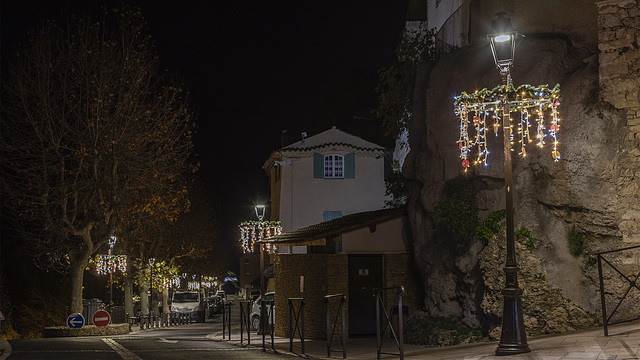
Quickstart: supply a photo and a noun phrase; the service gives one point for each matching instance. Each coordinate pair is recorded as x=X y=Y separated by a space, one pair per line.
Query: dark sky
x=255 y=68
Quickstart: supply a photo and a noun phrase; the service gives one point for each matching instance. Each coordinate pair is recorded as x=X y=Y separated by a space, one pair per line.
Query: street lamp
x=513 y=339
x=260 y=209
x=151 y=262
x=112 y=243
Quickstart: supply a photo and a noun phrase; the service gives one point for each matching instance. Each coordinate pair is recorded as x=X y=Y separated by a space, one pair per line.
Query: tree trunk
x=143 y=288
x=128 y=294
x=78 y=263
x=165 y=300
x=144 y=297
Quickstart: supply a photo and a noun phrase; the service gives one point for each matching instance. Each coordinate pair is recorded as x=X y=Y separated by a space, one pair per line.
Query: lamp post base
x=513 y=339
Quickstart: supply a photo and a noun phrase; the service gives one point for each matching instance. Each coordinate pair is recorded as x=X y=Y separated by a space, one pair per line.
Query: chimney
x=284 y=138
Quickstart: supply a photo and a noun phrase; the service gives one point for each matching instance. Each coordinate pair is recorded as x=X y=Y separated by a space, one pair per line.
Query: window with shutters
x=333 y=166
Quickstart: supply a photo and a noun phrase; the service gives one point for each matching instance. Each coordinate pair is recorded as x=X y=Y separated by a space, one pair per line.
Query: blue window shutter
x=329 y=215
x=318 y=166
x=350 y=166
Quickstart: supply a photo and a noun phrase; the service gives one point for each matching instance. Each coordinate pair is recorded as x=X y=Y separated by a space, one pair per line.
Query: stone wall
x=288 y=269
x=619 y=36
x=401 y=270
x=87 y=330
x=327 y=274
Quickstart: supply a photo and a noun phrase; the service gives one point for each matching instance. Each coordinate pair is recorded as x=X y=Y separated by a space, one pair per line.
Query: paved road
x=181 y=342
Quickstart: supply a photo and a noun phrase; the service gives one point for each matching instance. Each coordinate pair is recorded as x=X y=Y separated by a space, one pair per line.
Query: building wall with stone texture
x=619 y=38
x=327 y=274
x=401 y=270
x=288 y=270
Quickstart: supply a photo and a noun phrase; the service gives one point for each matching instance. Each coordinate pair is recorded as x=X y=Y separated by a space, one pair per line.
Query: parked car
x=255 y=311
x=215 y=304
x=221 y=294
x=188 y=302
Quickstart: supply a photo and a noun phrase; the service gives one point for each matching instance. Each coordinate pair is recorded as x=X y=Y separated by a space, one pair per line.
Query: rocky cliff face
x=594 y=188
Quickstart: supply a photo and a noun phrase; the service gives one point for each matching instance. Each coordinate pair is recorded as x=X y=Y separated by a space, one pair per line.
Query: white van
x=188 y=302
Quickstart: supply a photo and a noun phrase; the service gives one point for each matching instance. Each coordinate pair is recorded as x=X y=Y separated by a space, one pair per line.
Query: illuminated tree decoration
x=104 y=263
x=194 y=285
x=528 y=106
x=252 y=231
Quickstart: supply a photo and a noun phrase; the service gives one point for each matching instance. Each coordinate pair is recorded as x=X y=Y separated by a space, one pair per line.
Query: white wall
x=304 y=199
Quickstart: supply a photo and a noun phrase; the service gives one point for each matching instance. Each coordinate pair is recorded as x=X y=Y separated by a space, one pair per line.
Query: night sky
x=253 y=69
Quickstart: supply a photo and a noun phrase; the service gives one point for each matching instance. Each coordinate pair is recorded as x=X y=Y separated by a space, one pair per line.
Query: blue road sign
x=75 y=321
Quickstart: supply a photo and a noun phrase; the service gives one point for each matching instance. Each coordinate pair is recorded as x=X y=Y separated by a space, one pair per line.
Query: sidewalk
x=623 y=343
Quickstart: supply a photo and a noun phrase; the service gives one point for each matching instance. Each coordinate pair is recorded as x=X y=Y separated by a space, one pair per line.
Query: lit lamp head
x=152 y=261
x=260 y=211
x=503 y=42
x=112 y=241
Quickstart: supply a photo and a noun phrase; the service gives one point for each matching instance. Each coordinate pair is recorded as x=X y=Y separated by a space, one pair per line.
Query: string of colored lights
x=105 y=263
x=252 y=231
x=477 y=109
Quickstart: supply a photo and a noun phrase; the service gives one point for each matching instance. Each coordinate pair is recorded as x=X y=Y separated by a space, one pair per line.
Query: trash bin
x=394 y=318
x=89 y=307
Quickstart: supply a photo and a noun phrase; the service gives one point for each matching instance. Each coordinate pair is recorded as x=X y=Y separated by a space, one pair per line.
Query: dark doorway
x=365 y=274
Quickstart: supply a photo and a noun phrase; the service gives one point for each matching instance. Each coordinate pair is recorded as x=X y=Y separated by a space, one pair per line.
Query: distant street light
x=112 y=243
x=513 y=339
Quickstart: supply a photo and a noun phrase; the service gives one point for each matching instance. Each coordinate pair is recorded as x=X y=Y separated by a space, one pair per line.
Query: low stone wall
x=87 y=330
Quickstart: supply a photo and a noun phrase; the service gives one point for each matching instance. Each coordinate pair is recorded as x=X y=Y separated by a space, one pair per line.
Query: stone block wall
x=288 y=269
x=327 y=274
x=618 y=38
x=401 y=270
x=87 y=330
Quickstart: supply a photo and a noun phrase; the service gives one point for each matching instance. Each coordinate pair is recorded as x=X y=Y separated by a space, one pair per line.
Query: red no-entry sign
x=101 y=318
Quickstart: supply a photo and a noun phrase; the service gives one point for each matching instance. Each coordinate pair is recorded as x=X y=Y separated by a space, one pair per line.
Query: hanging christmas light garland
x=105 y=263
x=477 y=109
x=252 y=231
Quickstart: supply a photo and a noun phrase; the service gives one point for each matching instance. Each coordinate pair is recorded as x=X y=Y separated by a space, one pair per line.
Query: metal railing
x=245 y=319
x=298 y=316
x=226 y=320
x=606 y=320
x=266 y=322
x=381 y=329
x=339 y=312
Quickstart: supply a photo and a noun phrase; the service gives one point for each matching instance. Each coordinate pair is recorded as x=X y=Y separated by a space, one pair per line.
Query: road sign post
x=101 y=318
x=75 y=321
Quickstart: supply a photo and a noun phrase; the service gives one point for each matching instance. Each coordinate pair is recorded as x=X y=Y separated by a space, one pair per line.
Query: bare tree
x=92 y=137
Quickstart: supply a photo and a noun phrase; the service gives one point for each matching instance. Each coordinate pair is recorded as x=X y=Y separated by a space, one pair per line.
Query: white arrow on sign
x=75 y=321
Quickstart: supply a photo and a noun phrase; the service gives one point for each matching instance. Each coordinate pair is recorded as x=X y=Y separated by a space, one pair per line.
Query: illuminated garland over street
x=483 y=109
x=252 y=231
x=104 y=263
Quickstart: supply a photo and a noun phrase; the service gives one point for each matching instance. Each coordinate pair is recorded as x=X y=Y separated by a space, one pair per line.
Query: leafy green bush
x=457 y=213
x=576 y=240
x=524 y=235
x=490 y=226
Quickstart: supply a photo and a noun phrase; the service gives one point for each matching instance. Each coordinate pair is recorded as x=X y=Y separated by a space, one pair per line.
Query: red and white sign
x=101 y=318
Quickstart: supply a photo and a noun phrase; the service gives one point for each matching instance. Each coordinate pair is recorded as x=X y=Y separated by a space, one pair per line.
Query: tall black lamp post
x=112 y=243
x=513 y=339
x=151 y=262
x=260 y=210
